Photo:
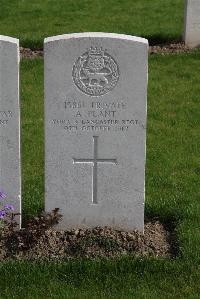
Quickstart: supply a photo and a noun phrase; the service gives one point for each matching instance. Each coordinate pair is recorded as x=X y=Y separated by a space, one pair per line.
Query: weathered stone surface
x=95 y=129
x=192 y=23
x=10 y=173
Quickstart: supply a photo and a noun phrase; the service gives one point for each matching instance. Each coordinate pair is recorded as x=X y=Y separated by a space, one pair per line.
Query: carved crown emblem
x=96 y=51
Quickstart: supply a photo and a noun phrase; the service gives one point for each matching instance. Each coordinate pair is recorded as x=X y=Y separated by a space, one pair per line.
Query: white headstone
x=10 y=172
x=192 y=23
x=95 y=129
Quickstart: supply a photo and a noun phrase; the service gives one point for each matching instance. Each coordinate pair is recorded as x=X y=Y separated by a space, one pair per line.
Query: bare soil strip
x=174 y=48
x=38 y=241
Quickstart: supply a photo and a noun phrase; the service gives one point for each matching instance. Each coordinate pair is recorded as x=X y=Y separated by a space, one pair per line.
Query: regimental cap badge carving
x=95 y=72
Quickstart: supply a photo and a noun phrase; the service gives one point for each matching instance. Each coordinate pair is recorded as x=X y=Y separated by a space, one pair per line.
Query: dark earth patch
x=39 y=241
x=30 y=54
x=173 y=48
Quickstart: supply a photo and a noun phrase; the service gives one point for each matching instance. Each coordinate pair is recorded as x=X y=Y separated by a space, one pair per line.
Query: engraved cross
x=94 y=161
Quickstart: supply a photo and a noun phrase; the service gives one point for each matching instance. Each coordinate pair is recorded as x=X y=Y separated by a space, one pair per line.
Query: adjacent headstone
x=10 y=173
x=192 y=23
x=95 y=129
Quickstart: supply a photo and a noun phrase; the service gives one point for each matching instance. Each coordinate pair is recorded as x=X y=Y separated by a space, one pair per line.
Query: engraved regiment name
x=95 y=72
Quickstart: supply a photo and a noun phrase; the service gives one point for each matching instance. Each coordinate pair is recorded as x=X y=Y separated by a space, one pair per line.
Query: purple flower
x=2 y=214
x=9 y=207
x=2 y=194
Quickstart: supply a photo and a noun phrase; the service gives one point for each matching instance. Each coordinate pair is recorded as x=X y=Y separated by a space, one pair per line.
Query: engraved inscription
x=94 y=161
x=4 y=117
x=196 y=25
x=96 y=116
x=95 y=72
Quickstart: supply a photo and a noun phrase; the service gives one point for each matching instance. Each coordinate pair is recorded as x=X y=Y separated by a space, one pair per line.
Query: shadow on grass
x=159 y=39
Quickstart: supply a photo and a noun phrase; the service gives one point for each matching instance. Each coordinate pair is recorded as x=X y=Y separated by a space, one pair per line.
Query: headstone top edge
x=96 y=34
x=9 y=39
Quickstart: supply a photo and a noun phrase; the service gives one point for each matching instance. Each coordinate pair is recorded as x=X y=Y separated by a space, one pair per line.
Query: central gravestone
x=95 y=129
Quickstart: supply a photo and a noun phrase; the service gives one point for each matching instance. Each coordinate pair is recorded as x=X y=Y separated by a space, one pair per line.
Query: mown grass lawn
x=31 y=21
x=172 y=194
